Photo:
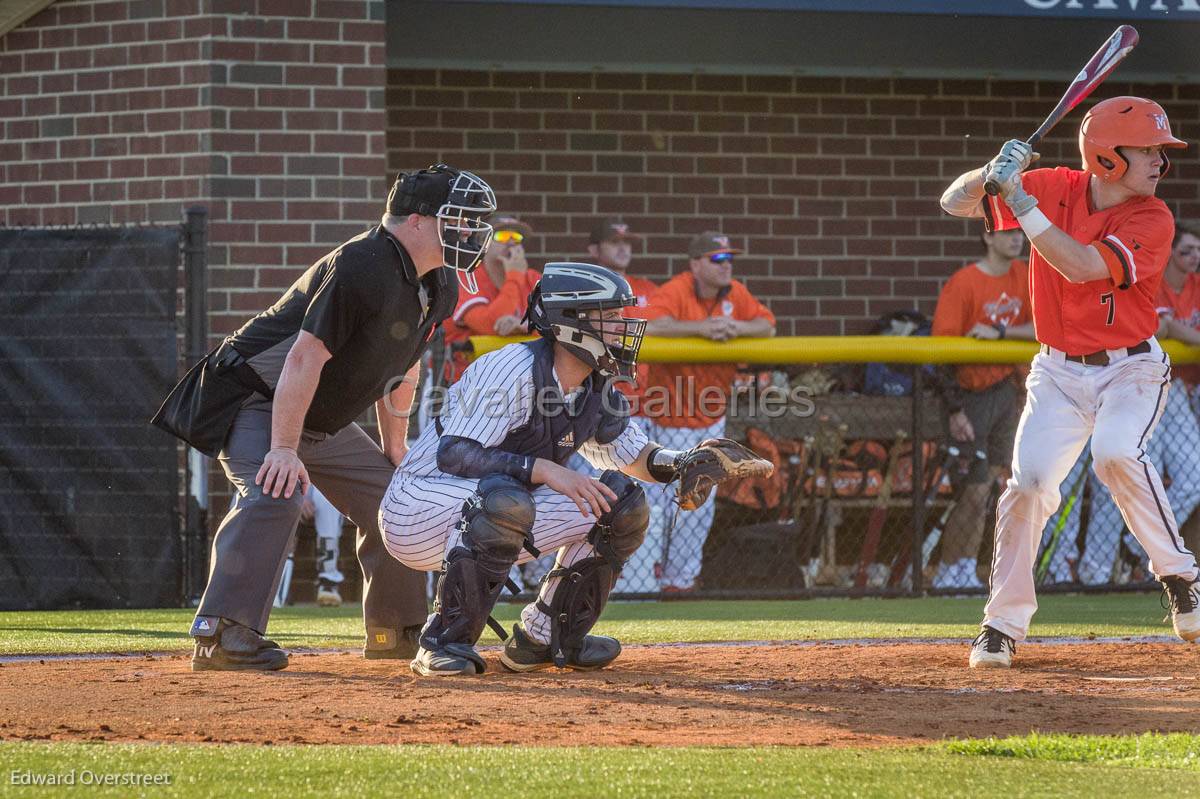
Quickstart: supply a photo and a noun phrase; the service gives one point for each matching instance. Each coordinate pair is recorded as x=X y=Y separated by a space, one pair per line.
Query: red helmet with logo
x=1122 y=122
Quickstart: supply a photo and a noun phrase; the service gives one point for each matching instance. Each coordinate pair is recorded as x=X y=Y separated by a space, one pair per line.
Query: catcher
x=486 y=486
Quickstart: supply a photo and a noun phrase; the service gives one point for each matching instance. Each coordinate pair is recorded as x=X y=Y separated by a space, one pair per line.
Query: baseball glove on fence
x=711 y=462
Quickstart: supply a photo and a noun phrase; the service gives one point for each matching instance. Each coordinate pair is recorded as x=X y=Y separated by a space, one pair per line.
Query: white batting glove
x=1014 y=158
x=1019 y=201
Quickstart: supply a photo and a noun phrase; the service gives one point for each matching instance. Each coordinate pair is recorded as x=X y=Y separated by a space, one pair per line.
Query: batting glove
x=1019 y=201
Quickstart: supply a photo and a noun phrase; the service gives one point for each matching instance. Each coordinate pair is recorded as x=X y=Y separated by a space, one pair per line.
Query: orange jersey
x=1184 y=307
x=972 y=297
x=476 y=314
x=1133 y=238
x=695 y=395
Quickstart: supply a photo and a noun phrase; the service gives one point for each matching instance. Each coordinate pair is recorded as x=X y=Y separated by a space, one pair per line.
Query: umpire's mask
x=461 y=201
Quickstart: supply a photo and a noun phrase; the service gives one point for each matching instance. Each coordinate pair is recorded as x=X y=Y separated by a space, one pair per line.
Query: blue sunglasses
x=721 y=257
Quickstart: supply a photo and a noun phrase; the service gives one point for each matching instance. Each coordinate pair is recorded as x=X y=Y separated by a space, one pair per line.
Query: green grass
x=1050 y=766
x=1175 y=751
x=105 y=631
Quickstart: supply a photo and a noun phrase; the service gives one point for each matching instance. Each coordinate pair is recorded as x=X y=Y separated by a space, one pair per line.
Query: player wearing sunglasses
x=685 y=403
x=504 y=285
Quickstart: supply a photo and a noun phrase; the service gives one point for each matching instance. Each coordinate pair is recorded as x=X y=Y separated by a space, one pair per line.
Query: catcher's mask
x=573 y=304
x=461 y=201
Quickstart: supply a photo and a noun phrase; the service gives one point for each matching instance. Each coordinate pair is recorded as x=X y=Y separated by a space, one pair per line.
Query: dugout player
x=987 y=299
x=1100 y=241
x=488 y=486
x=686 y=403
x=276 y=404
x=505 y=282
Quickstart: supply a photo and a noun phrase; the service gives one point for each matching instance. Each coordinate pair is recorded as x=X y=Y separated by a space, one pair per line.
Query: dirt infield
x=831 y=695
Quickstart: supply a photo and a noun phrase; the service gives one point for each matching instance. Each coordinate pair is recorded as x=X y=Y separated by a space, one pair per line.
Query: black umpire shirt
x=366 y=303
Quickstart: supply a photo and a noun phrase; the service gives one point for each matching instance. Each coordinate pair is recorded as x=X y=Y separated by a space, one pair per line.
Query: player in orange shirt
x=988 y=299
x=1100 y=242
x=496 y=308
x=686 y=402
x=504 y=286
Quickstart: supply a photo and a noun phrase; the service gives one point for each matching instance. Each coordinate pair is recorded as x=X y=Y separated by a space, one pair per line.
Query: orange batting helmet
x=1122 y=122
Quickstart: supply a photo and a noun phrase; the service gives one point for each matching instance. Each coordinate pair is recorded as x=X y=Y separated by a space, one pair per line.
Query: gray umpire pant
x=251 y=544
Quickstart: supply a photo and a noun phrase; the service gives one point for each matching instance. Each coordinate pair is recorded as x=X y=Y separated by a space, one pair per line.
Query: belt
x=1100 y=357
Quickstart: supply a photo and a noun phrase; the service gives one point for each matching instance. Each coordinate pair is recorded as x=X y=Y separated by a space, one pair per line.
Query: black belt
x=1100 y=358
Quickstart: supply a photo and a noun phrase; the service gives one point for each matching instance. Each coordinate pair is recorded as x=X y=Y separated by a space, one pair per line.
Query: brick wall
x=830 y=183
x=268 y=112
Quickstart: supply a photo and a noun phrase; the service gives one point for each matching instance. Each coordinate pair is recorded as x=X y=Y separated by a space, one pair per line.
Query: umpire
x=275 y=403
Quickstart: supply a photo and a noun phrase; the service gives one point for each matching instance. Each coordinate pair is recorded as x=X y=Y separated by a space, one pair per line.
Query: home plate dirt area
x=877 y=694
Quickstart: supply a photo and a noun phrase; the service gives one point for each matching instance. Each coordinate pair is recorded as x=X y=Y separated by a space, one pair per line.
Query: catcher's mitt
x=714 y=461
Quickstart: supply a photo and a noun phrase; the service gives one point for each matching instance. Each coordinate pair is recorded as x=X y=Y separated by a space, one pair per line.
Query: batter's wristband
x=1034 y=222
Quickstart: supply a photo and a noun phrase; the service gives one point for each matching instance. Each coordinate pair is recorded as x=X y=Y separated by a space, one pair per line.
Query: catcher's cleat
x=406 y=646
x=328 y=595
x=522 y=653
x=449 y=661
x=1184 y=598
x=992 y=649
x=233 y=647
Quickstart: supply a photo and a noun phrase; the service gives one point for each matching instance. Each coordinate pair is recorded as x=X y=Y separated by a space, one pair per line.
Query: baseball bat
x=878 y=516
x=1111 y=53
x=903 y=557
x=935 y=535
x=1047 y=555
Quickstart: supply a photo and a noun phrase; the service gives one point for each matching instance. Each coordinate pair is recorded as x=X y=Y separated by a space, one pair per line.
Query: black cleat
x=233 y=647
x=522 y=653
x=450 y=660
x=1183 y=596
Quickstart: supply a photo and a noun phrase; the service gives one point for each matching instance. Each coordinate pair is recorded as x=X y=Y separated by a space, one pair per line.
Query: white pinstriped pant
x=1118 y=406
x=420 y=515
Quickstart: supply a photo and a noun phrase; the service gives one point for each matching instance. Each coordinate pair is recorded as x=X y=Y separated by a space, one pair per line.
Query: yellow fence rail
x=838 y=349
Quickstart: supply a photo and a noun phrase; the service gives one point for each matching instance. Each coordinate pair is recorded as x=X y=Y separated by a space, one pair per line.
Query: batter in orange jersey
x=1100 y=240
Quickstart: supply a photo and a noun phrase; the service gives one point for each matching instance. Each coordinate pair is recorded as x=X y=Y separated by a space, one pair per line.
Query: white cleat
x=992 y=650
x=1184 y=597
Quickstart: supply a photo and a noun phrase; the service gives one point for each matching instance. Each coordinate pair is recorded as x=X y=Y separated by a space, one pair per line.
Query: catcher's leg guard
x=585 y=585
x=495 y=523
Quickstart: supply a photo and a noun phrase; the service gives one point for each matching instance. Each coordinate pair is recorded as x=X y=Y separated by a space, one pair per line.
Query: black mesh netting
x=87 y=349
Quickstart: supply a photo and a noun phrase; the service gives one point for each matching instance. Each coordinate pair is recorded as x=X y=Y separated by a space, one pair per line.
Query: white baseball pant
x=420 y=515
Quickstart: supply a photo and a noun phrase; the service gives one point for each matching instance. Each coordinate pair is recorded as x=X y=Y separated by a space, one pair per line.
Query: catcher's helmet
x=461 y=201
x=1122 y=122
x=559 y=307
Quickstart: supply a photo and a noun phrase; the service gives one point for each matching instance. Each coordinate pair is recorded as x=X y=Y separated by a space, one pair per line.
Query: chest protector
x=558 y=427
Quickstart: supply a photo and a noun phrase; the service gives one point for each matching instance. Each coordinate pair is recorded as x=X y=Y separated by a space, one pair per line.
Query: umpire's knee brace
x=623 y=528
